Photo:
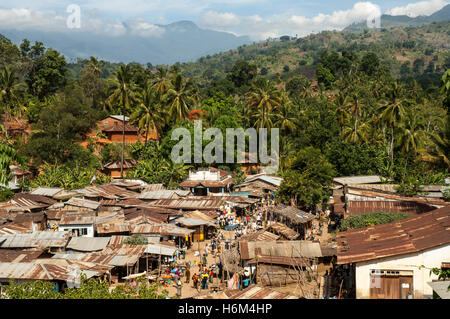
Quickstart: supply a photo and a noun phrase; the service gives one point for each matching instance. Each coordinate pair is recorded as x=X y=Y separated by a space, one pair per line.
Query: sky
x=258 y=19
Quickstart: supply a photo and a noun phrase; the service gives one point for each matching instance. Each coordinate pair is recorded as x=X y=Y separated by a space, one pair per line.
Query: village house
x=208 y=182
x=113 y=169
x=293 y=218
x=393 y=261
x=79 y=224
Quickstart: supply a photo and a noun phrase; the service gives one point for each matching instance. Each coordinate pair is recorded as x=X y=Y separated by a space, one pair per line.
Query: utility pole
x=123 y=146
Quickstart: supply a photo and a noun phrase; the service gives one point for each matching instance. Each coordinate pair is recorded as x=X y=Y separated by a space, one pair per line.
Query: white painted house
x=79 y=224
x=394 y=261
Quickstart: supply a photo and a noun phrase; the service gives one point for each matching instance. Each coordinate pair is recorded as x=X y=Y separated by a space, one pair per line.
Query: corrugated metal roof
x=397 y=238
x=206 y=183
x=201 y=203
x=349 y=180
x=258 y=292
x=290 y=249
x=160 y=250
x=162 y=229
x=33 y=271
x=274 y=180
x=47 y=191
x=88 y=243
x=38 y=239
x=261 y=235
x=153 y=187
x=285 y=231
x=10 y=229
x=294 y=214
x=191 y=222
x=16 y=256
x=84 y=203
x=76 y=218
x=163 y=194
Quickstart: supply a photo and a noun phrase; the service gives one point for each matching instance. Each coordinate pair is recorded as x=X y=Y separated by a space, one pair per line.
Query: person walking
x=188 y=275
x=179 y=286
x=195 y=281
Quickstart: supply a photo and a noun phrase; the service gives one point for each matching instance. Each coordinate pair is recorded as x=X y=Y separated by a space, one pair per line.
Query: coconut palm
x=162 y=82
x=264 y=98
x=123 y=95
x=148 y=114
x=392 y=114
x=179 y=99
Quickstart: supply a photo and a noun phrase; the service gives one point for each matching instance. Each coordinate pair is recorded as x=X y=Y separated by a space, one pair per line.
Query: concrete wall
x=419 y=263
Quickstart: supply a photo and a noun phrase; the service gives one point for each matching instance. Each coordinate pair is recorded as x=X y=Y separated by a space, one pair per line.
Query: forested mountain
x=178 y=41
x=388 y=21
x=420 y=53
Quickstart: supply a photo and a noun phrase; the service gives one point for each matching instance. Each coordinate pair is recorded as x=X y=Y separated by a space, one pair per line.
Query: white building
x=394 y=261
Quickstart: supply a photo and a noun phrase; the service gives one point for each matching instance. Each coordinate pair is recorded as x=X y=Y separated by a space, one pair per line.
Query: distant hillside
x=181 y=41
x=397 y=48
x=388 y=21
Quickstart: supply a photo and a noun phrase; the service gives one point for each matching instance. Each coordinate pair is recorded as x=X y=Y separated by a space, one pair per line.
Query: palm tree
x=9 y=88
x=179 y=98
x=341 y=110
x=162 y=83
x=392 y=114
x=284 y=119
x=264 y=98
x=356 y=109
x=440 y=151
x=411 y=134
x=123 y=94
x=148 y=113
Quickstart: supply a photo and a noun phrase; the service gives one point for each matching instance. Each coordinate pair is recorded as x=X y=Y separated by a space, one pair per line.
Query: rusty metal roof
x=362 y=207
x=113 y=228
x=294 y=214
x=88 y=243
x=192 y=222
x=83 y=203
x=397 y=238
x=162 y=229
x=11 y=228
x=16 y=256
x=295 y=249
x=201 y=203
x=283 y=230
x=379 y=195
x=34 y=271
x=38 y=239
x=163 y=194
x=153 y=187
x=258 y=292
x=76 y=218
x=261 y=235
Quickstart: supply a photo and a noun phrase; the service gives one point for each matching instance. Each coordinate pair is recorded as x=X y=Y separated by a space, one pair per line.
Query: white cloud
x=259 y=29
x=413 y=10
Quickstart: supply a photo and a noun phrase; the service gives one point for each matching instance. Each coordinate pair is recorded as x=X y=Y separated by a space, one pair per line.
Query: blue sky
x=257 y=18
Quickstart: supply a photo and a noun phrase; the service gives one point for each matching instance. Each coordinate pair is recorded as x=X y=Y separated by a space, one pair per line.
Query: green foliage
x=5 y=194
x=7 y=156
x=306 y=180
x=136 y=240
x=350 y=159
x=410 y=186
x=89 y=289
x=67 y=177
x=370 y=219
